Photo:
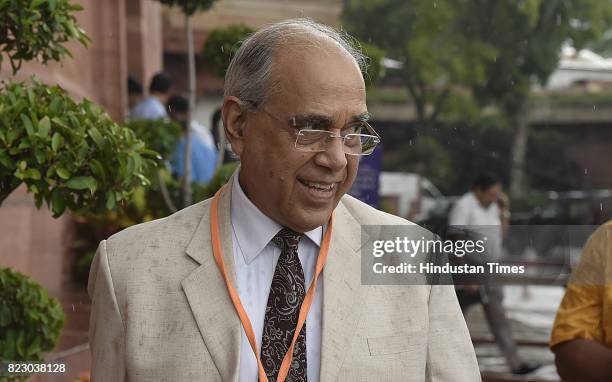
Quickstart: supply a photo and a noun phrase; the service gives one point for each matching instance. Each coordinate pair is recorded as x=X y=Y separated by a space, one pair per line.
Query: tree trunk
x=518 y=180
x=187 y=194
x=165 y=194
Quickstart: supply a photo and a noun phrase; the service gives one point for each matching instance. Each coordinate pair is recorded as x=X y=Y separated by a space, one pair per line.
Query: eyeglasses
x=360 y=139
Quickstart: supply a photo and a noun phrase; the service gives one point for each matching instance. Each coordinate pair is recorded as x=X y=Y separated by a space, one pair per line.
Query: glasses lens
x=368 y=143
x=311 y=140
x=354 y=143
x=360 y=144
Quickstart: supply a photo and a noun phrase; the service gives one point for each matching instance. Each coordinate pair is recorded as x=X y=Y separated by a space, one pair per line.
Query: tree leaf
x=81 y=183
x=63 y=173
x=27 y=123
x=96 y=136
x=58 y=203
x=33 y=174
x=43 y=127
x=56 y=141
x=97 y=169
x=110 y=200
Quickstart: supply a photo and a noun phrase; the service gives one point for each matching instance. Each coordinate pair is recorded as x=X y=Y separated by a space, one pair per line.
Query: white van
x=408 y=195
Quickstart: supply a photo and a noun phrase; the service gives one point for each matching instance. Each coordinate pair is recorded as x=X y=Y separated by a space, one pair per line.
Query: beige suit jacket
x=161 y=311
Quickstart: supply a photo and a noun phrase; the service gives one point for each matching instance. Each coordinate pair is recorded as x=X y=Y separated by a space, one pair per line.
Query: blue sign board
x=365 y=187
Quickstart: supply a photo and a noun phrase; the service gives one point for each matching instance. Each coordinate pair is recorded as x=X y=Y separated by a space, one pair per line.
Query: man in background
x=203 y=154
x=478 y=211
x=582 y=333
x=134 y=92
x=154 y=106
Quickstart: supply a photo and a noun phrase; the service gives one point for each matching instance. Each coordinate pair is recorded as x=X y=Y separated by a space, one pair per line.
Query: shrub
x=221 y=45
x=37 y=30
x=71 y=155
x=30 y=320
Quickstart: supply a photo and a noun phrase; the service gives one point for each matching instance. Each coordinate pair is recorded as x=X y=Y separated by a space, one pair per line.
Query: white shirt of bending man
x=255 y=257
x=483 y=221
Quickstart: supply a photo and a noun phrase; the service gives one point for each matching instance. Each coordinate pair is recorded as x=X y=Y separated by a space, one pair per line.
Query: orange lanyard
x=244 y=318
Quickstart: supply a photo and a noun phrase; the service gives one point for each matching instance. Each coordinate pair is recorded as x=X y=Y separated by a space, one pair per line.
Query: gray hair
x=249 y=74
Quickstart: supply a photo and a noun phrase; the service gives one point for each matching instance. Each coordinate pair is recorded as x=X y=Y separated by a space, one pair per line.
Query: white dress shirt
x=480 y=220
x=255 y=258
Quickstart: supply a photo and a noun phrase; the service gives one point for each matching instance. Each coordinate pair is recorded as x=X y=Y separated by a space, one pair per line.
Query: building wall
x=144 y=39
x=254 y=13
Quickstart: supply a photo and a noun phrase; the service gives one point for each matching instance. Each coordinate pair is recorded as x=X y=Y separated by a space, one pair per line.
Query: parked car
x=561 y=225
x=409 y=195
x=592 y=207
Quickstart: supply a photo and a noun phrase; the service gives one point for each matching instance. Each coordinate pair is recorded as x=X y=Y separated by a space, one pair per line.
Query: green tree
x=528 y=36
x=189 y=7
x=37 y=30
x=221 y=45
x=438 y=54
x=71 y=155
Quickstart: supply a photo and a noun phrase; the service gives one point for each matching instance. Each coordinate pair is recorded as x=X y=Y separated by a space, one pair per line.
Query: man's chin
x=308 y=220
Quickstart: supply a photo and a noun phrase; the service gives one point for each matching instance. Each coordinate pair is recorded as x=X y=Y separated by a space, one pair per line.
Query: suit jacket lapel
x=341 y=292
x=207 y=294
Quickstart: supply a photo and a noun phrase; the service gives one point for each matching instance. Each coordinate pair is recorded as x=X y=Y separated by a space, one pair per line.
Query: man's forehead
x=324 y=119
x=315 y=75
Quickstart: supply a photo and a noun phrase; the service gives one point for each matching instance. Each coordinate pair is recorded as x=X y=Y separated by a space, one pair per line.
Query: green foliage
x=220 y=178
x=453 y=154
x=423 y=153
x=546 y=174
x=602 y=46
x=30 y=320
x=375 y=70
x=430 y=39
x=148 y=204
x=189 y=7
x=37 y=30
x=71 y=155
x=527 y=37
x=221 y=45
x=159 y=135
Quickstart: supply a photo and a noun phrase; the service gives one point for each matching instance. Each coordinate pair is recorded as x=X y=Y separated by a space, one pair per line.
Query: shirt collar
x=253 y=229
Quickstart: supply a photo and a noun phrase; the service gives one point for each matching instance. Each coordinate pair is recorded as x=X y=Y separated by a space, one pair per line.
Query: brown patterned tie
x=284 y=301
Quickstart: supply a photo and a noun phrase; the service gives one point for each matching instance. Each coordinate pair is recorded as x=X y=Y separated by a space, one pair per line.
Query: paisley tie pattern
x=284 y=301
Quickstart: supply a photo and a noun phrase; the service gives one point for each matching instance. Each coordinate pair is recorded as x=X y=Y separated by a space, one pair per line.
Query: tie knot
x=287 y=239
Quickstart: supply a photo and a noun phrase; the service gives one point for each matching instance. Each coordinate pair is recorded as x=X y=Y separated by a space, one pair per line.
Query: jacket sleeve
x=580 y=315
x=106 y=330
x=450 y=353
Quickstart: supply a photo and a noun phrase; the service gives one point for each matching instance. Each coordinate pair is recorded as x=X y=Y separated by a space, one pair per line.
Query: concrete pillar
x=144 y=39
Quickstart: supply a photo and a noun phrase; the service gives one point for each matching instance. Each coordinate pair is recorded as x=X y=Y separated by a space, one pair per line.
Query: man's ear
x=234 y=121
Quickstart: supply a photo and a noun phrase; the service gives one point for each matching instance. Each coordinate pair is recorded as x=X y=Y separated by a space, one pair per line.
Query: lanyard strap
x=244 y=318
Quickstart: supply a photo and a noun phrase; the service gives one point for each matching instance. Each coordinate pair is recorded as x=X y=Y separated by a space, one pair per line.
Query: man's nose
x=333 y=157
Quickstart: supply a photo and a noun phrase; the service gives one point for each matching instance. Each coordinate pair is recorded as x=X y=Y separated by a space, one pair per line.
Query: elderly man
x=233 y=288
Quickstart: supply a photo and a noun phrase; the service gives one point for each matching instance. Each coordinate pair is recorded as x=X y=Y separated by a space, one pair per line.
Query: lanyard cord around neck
x=244 y=318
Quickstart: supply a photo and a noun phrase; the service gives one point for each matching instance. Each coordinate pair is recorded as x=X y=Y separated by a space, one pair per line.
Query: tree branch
x=438 y=105
x=165 y=193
